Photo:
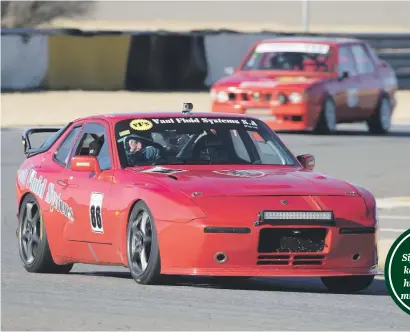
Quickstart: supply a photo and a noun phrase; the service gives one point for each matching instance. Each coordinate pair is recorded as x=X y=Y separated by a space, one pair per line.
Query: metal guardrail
x=393 y=48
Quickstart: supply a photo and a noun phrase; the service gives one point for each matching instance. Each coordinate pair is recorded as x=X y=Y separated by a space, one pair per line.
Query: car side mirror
x=307 y=161
x=384 y=64
x=344 y=75
x=88 y=164
x=229 y=70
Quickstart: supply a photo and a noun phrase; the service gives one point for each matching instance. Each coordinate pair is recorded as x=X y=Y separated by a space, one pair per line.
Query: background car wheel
x=33 y=244
x=347 y=284
x=328 y=118
x=142 y=246
x=380 y=121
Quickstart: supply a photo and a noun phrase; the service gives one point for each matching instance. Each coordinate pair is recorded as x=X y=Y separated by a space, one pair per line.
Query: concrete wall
x=24 y=61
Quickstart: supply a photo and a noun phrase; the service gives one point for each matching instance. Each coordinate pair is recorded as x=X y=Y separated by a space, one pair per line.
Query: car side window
x=62 y=152
x=94 y=142
x=364 y=62
x=346 y=61
x=268 y=152
x=239 y=146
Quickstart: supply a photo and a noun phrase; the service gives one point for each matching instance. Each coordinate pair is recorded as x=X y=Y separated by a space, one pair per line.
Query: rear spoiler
x=28 y=150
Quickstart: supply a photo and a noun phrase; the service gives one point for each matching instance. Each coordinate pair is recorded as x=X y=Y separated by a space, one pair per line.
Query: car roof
x=313 y=39
x=115 y=117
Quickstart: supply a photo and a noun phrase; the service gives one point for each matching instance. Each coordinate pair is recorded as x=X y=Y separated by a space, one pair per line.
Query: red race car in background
x=189 y=194
x=310 y=83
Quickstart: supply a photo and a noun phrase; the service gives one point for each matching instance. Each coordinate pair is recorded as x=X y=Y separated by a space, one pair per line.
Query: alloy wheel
x=139 y=242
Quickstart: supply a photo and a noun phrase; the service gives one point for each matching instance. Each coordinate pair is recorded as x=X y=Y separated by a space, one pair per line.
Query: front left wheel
x=142 y=246
x=32 y=238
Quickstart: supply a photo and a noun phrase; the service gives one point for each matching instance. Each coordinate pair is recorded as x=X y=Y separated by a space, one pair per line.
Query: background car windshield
x=195 y=140
x=306 y=57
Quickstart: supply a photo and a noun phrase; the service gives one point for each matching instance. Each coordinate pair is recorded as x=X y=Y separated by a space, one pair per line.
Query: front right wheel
x=347 y=284
x=142 y=246
x=328 y=118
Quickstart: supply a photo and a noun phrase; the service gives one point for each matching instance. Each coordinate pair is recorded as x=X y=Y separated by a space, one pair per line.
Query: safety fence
x=148 y=60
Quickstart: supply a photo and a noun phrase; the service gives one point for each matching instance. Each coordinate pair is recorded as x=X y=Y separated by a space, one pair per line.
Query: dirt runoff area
x=59 y=107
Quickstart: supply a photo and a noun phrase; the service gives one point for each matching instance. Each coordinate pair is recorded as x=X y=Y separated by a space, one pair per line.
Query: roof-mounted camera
x=187 y=108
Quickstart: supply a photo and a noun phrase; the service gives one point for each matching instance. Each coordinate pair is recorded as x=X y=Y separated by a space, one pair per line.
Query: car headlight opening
x=295 y=97
x=222 y=96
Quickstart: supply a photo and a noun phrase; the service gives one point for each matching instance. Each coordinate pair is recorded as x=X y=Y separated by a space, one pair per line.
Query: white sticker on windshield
x=293 y=47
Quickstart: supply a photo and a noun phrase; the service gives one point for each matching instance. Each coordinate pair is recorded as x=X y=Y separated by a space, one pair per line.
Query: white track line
x=396 y=217
x=394 y=230
x=393 y=202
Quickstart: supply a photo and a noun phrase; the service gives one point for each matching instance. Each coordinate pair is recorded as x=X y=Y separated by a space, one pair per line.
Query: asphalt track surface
x=106 y=298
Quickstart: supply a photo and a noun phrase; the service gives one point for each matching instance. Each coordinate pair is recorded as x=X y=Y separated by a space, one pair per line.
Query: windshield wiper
x=173 y=162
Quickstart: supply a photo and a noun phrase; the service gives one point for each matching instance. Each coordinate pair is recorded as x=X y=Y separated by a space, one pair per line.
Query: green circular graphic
x=397 y=271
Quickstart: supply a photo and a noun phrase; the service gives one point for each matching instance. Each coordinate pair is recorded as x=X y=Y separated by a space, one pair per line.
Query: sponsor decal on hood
x=241 y=173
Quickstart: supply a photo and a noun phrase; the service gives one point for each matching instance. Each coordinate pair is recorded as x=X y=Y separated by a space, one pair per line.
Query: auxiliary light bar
x=297 y=215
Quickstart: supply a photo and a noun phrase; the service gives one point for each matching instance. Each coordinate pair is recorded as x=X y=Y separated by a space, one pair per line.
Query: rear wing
x=29 y=151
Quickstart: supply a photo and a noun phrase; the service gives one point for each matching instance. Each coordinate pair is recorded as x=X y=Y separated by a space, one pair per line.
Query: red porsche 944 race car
x=310 y=83
x=189 y=194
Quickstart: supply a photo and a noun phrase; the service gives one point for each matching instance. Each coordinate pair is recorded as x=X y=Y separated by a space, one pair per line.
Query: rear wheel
x=380 y=121
x=142 y=246
x=348 y=284
x=33 y=244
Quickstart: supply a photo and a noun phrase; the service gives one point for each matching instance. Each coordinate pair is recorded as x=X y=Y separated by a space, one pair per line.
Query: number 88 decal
x=96 y=205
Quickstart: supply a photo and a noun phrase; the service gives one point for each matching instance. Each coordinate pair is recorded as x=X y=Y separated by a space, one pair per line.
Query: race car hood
x=271 y=79
x=217 y=182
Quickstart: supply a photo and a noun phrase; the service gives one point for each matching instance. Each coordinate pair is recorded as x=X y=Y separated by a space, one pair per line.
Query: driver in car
x=139 y=153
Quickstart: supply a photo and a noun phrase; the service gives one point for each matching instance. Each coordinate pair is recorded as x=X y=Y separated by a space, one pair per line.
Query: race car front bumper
x=282 y=117
x=194 y=249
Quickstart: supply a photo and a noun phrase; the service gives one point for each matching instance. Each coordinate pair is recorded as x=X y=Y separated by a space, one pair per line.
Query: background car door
x=348 y=97
x=370 y=84
x=91 y=193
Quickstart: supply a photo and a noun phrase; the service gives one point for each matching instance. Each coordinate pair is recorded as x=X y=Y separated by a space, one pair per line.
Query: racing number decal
x=96 y=201
x=352 y=97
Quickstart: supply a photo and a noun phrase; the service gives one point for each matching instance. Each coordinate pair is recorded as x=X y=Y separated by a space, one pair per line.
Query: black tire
x=348 y=284
x=323 y=126
x=151 y=274
x=378 y=123
x=31 y=232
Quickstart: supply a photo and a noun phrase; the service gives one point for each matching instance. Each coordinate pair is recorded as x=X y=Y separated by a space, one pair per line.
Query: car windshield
x=199 y=141
x=305 y=57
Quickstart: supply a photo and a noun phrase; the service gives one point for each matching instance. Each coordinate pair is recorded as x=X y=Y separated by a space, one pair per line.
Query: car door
x=90 y=193
x=347 y=98
x=370 y=84
x=61 y=210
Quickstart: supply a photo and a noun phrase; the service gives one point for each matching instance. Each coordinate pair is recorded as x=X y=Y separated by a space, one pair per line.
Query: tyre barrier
x=60 y=59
